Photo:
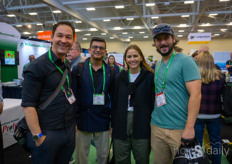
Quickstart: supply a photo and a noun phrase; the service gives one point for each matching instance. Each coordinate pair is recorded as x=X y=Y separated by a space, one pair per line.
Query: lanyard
x=165 y=73
x=50 y=57
x=104 y=77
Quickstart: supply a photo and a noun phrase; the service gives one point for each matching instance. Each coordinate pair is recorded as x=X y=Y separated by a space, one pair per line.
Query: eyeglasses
x=100 y=48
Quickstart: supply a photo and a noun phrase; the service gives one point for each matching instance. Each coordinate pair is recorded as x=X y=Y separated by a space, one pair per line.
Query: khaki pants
x=165 y=143
x=83 y=141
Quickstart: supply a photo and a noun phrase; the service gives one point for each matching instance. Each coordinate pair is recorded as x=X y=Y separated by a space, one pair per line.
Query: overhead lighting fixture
x=87 y=34
x=93 y=29
x=129 y=19
x=213 y=14
x=29 y=26
x=216 y=34
x=206 y=24
x=137 y=27
x=84 y=38
x=40 y=31
x=182 y=25
x=181 y=31
x=39 y=24
x=103 y=33
x=230 y=23
x=184 y=16
x=154 y=17
x=11 y=15
x=142 y=32
x=106 y=20
x=90 y=9
x=179 y=36
x=78 y=21
x=188 y=2
x=111 y=37
x=77 y=30
x=27 y=33
x=33 y=13
x=117 y=28
x=150 y=4
x=145 y=36
x=130 y=37
x=223 y=29
x=19 y=25
x=201 y=30
x=224 y=0
x=56 y=11
x=119 y=7
x=124 y=33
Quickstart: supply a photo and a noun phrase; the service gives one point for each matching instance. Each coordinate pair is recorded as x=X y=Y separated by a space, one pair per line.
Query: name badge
x=160 y=99
x=98 y=99
x=70 y=96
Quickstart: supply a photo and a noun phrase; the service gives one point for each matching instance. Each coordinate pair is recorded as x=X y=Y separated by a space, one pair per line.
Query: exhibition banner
x=199 y=38
x=9 y=37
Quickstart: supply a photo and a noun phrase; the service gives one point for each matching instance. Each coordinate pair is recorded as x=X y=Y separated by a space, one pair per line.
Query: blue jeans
x=214 y=130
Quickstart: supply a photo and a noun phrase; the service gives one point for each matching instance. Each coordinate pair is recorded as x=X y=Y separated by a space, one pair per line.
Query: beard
x=166 y=53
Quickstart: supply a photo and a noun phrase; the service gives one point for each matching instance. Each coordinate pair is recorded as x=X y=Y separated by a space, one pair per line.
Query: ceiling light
x=230 y=23
x=77 y=30
x=130 y=37
x=87 y=34
x=188 y=2
x=179 y=35
x=205 y=24
x=216 y=34
x=124 y=33
x=154 y=17
x=223 y=29
x=56 y=11
x=150 y=4
x=111 y=37
x=117 y=28
x=129 y=18
x=29 y=26
x=142 y=32
x=201 y=30
x=145 y=36
x=40 y=31
x=39 y=24
x=19 y=25
x=224 y=0
x=26 y=33
x=137 y=27
x=33 y=13
x=181 y=31
x=184 y=16
x=93 y=29
x=11 y=15
x=84 y=38
x=103 y=33
x=213 y=14
x=119 y=7
x=182 y=25
x=106 y=20
x=90 y=9
x=78 y=21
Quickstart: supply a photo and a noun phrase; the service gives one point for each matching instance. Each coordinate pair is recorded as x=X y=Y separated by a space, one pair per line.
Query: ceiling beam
x=30 y=18
x=77 y=15
x=85 y=1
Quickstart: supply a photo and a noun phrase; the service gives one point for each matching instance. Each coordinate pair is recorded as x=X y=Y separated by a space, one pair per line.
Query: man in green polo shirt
x=178 y=96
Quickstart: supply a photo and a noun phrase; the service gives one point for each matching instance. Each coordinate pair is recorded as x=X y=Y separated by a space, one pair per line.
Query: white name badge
x=160 y=99
x=98 y=99
x=70 y=96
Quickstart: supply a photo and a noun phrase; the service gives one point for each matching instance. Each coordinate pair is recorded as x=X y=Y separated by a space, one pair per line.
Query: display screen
x=8 y=57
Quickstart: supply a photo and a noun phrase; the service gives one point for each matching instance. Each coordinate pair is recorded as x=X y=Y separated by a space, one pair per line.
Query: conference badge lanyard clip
x=160 y=98
x=98 y=99
x=68 y=94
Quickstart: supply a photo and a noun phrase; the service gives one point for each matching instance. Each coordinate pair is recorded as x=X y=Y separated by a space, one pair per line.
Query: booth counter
x=12 y=113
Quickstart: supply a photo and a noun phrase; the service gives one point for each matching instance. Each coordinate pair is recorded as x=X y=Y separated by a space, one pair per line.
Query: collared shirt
x=98 y=77
x=40 y=80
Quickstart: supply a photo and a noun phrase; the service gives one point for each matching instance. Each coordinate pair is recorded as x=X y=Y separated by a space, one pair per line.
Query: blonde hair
x=143 y=63
x=207 y=68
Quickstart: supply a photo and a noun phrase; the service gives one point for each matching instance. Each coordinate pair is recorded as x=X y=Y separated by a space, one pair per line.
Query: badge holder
x=70 y=96
x=98 y=99
x=160 y=99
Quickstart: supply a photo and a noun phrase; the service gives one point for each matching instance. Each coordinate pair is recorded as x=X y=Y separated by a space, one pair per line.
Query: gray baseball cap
x=162 y=29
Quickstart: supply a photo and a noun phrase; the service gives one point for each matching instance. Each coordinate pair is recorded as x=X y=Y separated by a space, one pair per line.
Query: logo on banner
x=199 y=38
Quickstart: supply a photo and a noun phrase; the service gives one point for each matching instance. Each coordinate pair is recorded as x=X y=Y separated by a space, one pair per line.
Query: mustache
x=164 y=46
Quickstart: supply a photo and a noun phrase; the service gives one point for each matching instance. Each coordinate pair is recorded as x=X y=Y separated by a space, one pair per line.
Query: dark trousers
x=1 y=146
x=57 y=147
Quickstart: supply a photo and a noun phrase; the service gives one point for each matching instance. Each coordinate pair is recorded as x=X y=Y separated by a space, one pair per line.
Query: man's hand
x=188 y=133
x=40 y=141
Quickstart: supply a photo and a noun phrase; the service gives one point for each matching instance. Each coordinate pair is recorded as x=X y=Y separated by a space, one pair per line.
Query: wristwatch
x=36 y=137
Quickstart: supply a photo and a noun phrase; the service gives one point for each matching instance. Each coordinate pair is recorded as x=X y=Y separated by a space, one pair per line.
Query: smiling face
x=133 y=59
x=62 y=40
x=164 y=44
x=111 y=60
x=97 y=50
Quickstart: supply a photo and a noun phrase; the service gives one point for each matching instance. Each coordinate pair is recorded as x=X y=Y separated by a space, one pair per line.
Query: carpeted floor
x=16 y=155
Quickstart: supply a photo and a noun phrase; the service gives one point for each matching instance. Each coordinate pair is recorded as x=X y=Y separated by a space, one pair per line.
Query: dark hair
x=143 y=63
x=97 y=39
x=195 y=54
x=63 y=23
